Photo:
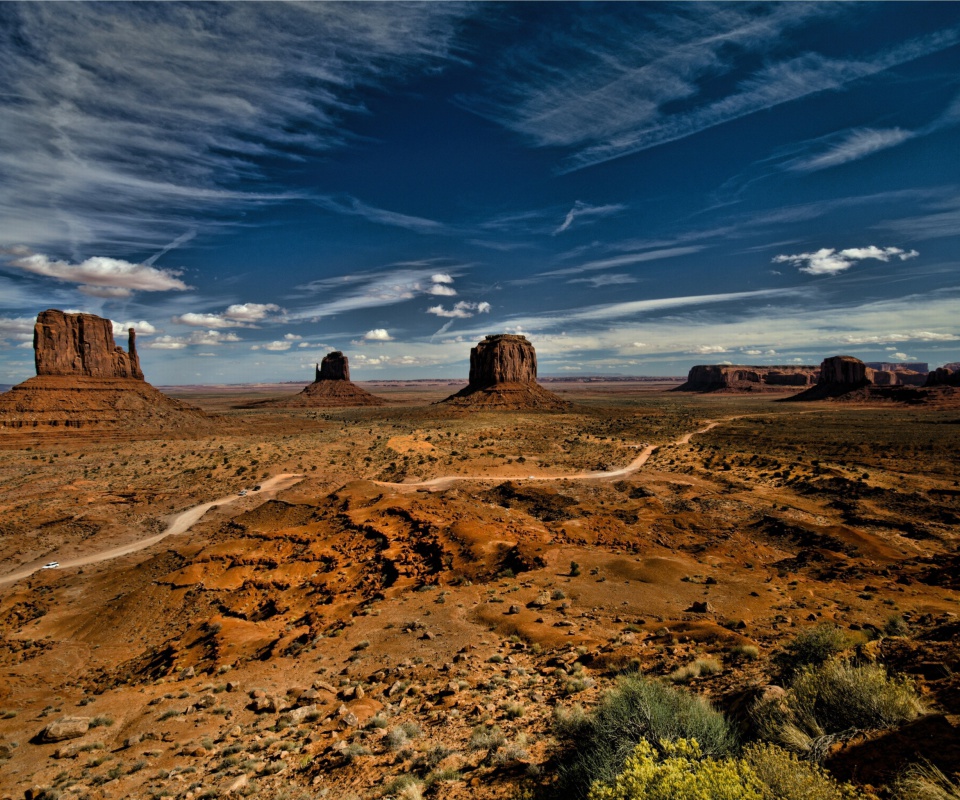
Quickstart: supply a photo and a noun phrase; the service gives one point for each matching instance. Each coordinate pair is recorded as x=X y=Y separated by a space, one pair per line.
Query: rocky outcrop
x=335 y=366
x=944 y=376
x=86 y=383
x=503 y=374
x=734 y=379
x=82 y=345
x=331 y=388
x=843 y=372
x=899 y=377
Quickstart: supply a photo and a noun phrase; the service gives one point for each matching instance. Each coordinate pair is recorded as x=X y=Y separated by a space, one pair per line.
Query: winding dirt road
x=180 y=523
x=444 y=481
x=185 y=520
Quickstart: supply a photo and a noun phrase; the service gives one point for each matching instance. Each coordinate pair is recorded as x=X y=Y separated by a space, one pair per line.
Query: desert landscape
x=429 y=598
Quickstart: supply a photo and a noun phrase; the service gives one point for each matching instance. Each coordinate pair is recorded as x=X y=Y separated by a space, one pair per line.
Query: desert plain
x=407 y=594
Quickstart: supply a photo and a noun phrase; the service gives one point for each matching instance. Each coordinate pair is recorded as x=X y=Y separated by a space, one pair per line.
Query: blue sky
x=637 y=187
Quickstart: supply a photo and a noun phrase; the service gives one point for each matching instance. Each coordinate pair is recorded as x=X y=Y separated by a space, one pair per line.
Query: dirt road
x=447 y=480
x=180 y=523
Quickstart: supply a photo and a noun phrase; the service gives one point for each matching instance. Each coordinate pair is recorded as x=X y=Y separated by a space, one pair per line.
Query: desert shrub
x=747 y=651
x=783 y=776
x=828 y=701
x=489 y=739
x=925 y=782
x=702 y=666
x=678 y=771
x=101 y=720
x=637 y=710
x=896 y=625
x=813 y=647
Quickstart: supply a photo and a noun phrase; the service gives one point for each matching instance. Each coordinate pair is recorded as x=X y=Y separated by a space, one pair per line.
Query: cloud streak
x=642 y=81
x=121 y=122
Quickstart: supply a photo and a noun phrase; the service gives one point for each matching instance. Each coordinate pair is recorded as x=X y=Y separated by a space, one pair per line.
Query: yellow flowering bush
x=680 y=773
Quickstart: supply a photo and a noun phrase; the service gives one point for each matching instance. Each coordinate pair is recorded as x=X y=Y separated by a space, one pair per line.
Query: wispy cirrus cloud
x=362 y=290
x=351 y=206
x=644 y=80
x=121 y=121
x=581 y=211
x=625 y=260
x=829 y=261
x=854 y=145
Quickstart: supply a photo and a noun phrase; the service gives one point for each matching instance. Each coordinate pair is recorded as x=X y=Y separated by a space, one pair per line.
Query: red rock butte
x=503 y=375
x=737 y=379
x=84 y=381
x=331 y=388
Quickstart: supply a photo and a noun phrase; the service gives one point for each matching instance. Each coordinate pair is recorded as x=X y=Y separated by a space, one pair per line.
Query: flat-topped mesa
x=503 y=375
x=82 y=345
x=502 y=358
x=335 y=366
x=733 y=378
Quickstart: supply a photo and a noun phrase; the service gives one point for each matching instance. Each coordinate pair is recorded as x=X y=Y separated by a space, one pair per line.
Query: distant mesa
x=738 y=379
x=848 y=379
x=503 y=375
x=84 y=381
x=331 y=388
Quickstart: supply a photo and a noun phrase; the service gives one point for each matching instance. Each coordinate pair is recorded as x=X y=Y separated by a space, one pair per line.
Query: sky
x=636 y=187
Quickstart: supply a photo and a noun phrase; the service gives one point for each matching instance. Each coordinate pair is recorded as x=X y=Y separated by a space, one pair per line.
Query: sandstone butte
x=85 y=381
x=331 y=387
x=503 y=375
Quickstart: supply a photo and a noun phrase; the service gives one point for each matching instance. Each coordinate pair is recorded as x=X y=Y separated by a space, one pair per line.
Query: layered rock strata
x=503 y=374
x=732 y=379
x=331 y=387
x=85 y=382
x=82 y=345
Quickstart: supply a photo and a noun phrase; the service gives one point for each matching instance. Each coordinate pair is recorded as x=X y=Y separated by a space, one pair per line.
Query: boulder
x=63 y=729
x=82 y=345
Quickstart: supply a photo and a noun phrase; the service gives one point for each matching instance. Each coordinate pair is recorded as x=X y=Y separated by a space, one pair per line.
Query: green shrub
x=827 y=701
x=814 y=646
x=681 y=772
x=638 y=709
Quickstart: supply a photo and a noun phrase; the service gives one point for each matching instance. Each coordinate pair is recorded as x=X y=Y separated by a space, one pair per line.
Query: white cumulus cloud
x=99 y=273
x=829 y=261
x=377 y=335
x=208 y=338
x=707 y=349
x=143 y=328
x=236 y=316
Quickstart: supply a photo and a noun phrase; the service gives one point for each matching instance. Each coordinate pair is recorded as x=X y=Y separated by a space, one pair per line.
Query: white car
x=51 y=565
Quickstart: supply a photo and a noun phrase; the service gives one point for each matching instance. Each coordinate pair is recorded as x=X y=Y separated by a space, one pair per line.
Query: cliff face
x=82 y=345
x=503 y=375
x=843 y=371
x=944 y=376
x=739 y=378
x=334 y=367
x=502 y=358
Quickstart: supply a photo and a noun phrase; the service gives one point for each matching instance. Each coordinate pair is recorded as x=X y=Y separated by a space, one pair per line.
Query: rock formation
x=734 y=379
x=82 y=344
x=843 y=372
x=503 y=374
x=331 y=387
x=84 y=381
x=944 y=376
